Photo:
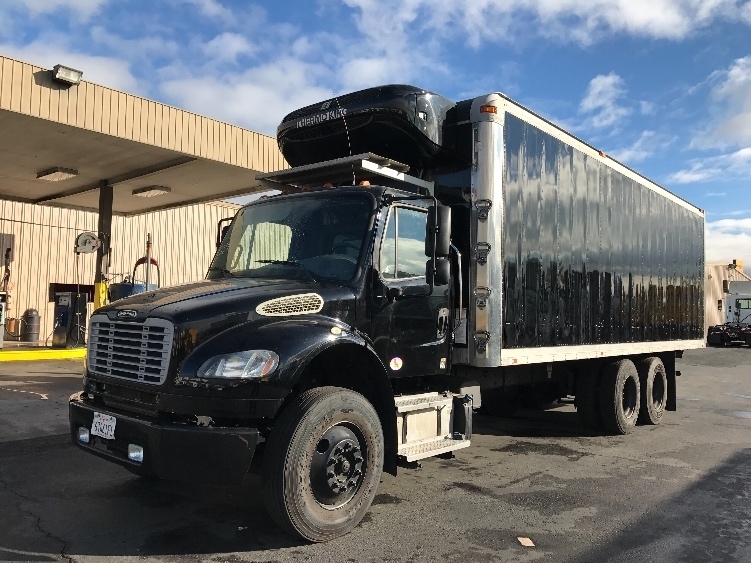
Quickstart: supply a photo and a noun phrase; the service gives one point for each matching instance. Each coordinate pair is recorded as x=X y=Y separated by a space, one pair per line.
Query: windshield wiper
x=222 y=270
x=288 y=263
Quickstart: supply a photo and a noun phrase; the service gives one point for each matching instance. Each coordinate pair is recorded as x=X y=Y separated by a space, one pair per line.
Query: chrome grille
x=130 y=350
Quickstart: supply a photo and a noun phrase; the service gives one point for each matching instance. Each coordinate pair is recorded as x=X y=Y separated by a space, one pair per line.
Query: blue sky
x=663 y=85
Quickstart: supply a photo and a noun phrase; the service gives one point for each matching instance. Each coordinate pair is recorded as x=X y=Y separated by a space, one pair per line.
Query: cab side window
x=403 y=249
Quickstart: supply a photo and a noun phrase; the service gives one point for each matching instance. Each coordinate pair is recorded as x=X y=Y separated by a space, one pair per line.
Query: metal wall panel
x=592 y=256
x=42 y=241
x=29 y=89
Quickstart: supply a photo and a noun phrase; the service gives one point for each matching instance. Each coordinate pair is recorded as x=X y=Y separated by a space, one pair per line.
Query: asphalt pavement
x=674 y=492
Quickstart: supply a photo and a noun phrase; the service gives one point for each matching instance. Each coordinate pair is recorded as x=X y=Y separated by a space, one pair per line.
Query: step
x=424 y=401
x=439 y=446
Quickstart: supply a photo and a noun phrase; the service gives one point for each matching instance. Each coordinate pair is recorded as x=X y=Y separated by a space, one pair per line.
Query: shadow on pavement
x=559 y=422
x=708 y=521
x=58 y=499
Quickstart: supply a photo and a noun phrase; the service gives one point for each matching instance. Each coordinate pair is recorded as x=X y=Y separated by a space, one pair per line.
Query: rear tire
x=322 y=464
x=619 y=397
x=654 y=390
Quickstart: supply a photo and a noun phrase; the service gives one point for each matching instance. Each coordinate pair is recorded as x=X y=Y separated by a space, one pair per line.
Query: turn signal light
x=488 y=109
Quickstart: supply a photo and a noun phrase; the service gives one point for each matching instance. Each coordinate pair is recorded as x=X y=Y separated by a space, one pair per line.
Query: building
x=718 y=278
x=79 y=157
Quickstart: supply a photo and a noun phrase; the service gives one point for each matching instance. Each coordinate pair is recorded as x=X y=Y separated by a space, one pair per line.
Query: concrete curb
x=42 y=354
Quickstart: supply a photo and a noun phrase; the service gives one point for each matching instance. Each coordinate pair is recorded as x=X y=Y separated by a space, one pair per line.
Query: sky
x=661 y=85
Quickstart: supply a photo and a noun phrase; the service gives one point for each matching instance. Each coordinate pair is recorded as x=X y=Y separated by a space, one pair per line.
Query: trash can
x=30 y=326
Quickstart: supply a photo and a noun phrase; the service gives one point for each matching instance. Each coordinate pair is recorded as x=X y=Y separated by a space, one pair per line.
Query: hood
x=212 y=297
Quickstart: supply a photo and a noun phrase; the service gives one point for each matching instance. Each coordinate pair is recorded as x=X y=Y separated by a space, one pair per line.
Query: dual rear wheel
x=623 y=393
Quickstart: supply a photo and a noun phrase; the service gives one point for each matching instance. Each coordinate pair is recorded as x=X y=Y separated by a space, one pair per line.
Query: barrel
x=30 y=326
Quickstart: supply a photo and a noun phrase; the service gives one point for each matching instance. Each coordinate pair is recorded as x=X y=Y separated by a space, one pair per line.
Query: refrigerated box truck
x=422 y=259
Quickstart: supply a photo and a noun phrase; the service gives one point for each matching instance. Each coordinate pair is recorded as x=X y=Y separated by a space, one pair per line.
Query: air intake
x=292 y=305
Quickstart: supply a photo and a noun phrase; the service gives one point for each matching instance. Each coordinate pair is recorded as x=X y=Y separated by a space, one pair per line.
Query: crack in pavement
x=37 y=520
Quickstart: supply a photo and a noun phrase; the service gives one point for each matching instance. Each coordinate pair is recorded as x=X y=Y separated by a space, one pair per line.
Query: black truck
x=422 y=259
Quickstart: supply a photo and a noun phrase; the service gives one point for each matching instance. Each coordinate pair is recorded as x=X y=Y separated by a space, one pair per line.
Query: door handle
x=443 y=322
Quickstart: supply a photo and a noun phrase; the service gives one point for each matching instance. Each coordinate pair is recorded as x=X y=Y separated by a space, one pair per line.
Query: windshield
x=308 y=238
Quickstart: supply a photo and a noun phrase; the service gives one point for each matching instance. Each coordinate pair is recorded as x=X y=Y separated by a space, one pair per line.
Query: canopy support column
x=103 y=252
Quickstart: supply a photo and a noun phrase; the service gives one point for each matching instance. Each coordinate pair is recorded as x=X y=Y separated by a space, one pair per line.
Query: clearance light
x=488 y=109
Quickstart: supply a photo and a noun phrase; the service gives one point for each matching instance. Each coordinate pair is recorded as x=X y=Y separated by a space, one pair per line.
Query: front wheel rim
x=338 y=466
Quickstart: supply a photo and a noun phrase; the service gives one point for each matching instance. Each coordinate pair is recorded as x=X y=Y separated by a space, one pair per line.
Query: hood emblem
x=127 y=314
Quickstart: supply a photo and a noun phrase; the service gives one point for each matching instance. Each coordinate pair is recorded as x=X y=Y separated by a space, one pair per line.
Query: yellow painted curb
x=42 y=354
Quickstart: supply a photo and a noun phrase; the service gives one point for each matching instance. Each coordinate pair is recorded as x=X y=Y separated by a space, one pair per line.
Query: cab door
x=410 y=326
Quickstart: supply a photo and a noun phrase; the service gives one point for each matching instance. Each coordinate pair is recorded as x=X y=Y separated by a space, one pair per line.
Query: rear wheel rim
x=658 y=390
x=628 y=397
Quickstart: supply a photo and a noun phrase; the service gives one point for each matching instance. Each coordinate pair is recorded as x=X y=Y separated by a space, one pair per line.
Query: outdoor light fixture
x=57 y=174
x=66 y=74
x=151 y=191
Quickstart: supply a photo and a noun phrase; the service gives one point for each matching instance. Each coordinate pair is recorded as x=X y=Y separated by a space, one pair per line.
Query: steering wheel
x=341 y=248
x=346 y=257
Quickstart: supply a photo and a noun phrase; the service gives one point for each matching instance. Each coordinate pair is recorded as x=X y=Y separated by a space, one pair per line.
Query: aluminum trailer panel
x=585 y=258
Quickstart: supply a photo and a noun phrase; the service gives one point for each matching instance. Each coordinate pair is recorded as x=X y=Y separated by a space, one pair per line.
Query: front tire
x=322 y=464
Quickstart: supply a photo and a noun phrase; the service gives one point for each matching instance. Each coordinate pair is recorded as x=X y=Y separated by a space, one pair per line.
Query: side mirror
x=438 y=231
x=221 y=231
x=442 y=273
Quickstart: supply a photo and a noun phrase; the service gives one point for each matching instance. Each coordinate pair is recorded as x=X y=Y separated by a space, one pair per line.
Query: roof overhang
x=129 y=142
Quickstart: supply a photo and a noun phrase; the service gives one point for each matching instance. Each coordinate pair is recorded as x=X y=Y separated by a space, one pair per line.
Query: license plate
x=104 y=426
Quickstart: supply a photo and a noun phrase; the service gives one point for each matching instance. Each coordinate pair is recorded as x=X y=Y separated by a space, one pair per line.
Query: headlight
x=251 y=364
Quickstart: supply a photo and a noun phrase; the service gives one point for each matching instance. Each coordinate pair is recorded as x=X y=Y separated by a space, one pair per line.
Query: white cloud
x=727 y=239
x=715 y=194
x=211 y=9
x=601 y=101
x=644 y=147
x=258 y=98
x=563 y=20
x=50 y=50
x=84 y=8
x=647 y=108
x=735 y=165
x=228 y=46
x=733 y=95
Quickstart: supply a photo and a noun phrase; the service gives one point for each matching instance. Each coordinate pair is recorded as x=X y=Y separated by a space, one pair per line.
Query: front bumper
x=213 y=455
